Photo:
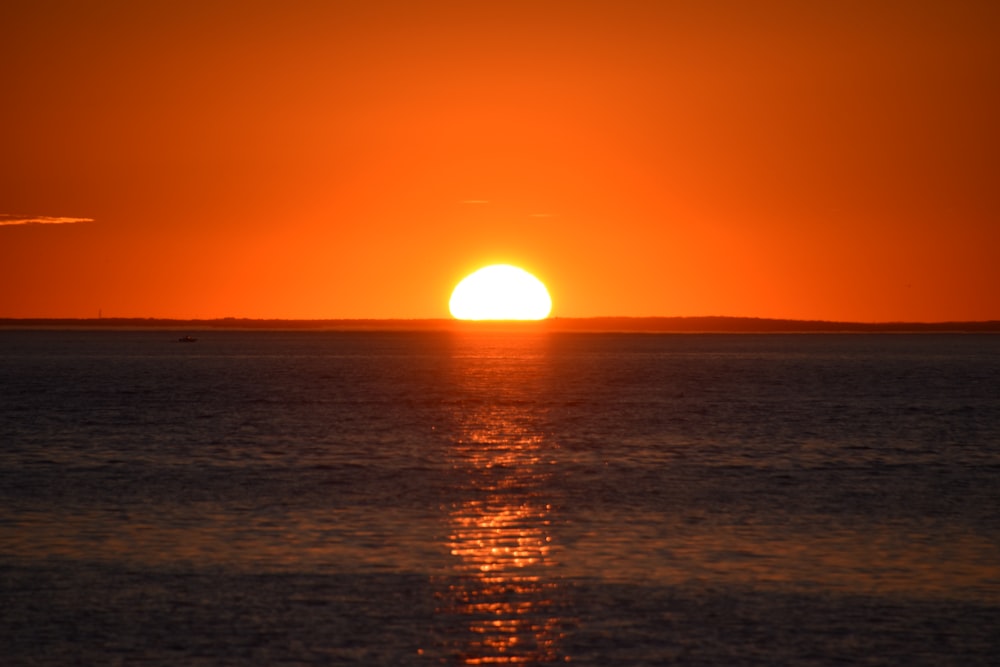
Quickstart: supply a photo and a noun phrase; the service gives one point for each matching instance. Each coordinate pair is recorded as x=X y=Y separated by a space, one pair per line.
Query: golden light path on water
x=503 y=589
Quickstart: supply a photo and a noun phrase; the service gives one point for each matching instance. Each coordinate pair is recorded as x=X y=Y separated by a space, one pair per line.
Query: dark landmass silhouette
x=561 y=324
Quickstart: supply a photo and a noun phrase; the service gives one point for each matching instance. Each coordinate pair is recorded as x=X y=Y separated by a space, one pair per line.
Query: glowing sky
x=817 y=160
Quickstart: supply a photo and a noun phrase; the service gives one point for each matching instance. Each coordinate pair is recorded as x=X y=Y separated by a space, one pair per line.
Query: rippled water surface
x=315 y=498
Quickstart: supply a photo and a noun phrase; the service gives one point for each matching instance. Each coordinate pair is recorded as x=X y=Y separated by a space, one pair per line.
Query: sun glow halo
x=500 y=292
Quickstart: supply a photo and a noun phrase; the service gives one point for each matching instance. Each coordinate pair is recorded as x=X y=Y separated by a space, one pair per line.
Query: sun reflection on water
x=502 y=591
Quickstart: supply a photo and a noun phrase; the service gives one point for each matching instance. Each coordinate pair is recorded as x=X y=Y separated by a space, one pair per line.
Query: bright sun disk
x=500 y=292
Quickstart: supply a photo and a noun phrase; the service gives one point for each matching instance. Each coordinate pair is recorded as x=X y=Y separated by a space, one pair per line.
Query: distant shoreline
x=559 y=324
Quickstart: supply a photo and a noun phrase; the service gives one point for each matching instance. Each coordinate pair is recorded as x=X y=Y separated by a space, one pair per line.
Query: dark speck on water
x=429 y=498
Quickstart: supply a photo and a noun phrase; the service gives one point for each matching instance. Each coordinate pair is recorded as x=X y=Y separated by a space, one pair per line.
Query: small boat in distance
x=187 y=339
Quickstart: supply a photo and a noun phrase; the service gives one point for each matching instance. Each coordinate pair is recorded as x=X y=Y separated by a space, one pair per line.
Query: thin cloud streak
x=9 y=219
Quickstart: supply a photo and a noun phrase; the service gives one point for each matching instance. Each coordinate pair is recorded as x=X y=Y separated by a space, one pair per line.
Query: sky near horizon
x=213 y=158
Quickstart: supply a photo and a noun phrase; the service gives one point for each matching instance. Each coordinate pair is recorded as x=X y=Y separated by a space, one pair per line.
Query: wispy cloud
x=10 y=219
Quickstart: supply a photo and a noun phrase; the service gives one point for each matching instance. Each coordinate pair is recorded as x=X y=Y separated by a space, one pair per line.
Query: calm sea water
x=327 y=498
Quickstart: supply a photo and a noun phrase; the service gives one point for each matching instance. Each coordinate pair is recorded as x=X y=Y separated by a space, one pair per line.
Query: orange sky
x=815 y=160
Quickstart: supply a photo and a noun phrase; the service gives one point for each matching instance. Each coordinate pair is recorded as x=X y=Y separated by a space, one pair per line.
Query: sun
x=500 y=292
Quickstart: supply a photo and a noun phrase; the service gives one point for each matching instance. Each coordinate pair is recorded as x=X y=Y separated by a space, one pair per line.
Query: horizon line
x=600 y=323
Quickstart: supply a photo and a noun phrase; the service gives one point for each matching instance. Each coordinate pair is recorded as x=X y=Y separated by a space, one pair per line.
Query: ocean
x=475 y=498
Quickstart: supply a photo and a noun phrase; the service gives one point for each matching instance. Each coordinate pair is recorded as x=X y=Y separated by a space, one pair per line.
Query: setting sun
x=500 y=292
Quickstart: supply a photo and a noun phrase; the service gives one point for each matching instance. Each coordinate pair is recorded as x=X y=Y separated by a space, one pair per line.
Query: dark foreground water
x=266 y=498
